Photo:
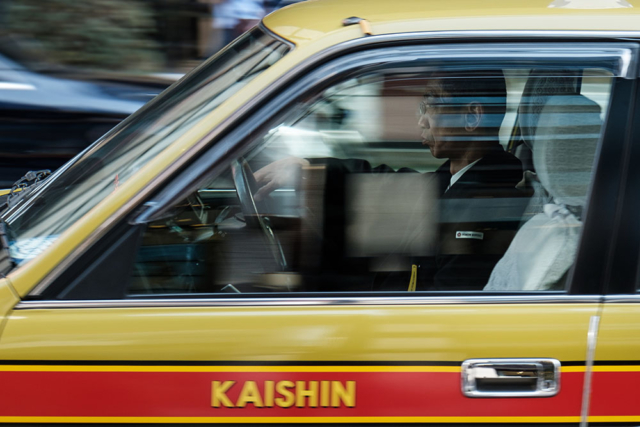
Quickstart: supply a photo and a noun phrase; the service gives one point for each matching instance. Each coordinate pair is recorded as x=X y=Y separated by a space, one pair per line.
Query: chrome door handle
x=510 y=377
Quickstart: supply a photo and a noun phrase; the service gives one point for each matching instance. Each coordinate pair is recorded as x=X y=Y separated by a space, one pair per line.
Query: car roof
x=312 y=20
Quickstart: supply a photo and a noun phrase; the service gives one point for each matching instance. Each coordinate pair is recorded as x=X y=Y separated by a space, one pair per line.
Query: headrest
x=564 y=146
x=540 y=87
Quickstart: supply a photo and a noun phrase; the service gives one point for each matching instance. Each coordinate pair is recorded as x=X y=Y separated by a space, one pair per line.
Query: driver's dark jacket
x=470 y=205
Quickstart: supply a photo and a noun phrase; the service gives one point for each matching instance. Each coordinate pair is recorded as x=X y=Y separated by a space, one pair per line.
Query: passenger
x=460 y=117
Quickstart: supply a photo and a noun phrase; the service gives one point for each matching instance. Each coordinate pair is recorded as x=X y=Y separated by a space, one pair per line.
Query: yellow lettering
x=340 y=394
x=268 y=393
x=218 y=393
x=306 y=393
x=324 y=393
x=249 y=394
x=287 y=398
x=311 y=393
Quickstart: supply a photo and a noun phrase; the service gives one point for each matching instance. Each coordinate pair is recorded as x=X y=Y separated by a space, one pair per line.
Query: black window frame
x=622 y=274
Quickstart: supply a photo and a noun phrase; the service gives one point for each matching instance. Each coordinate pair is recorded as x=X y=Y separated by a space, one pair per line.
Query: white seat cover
x=544 y=248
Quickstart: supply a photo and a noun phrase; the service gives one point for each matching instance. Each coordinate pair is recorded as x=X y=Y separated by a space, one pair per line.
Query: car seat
x=564 y=145
x=540 y=88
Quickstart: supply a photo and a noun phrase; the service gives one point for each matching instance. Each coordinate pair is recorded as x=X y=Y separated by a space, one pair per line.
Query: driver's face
x=442 y=123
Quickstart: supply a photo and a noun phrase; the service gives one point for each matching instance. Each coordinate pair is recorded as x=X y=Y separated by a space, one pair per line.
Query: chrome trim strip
x=474 y=369
x=596 y=34
x=230 y=190
x=309 y=301
x=592 y=338
x=281 y=82
x=622 y=299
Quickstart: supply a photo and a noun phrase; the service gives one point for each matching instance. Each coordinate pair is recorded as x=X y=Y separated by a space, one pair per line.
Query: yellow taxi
x=362 y=211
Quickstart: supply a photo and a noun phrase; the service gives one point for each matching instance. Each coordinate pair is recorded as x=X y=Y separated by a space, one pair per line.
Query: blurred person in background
x=234 y=17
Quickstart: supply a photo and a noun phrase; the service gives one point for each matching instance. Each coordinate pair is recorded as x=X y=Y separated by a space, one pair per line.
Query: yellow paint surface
x=314 y=20
x=8 y=299
x=619 y=336
x=296 y=334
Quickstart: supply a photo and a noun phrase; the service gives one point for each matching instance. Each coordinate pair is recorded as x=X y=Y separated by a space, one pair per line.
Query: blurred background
x=71 y=70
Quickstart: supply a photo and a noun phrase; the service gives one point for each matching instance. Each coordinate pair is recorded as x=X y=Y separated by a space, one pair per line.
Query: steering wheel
x=246 y=186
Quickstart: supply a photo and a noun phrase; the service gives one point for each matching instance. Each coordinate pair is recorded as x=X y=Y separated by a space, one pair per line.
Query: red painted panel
x=186 y=394
x=615 y=393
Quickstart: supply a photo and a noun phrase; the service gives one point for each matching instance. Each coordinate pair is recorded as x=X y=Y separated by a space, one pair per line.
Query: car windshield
x=38 y=221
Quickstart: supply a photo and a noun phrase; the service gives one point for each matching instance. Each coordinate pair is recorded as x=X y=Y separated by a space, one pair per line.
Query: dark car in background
x=48 y=117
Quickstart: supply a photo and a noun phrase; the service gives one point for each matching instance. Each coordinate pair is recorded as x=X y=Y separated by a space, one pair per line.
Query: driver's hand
x=281 y=173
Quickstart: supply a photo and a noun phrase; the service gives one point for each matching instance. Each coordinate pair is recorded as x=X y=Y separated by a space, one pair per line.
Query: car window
x=450 y=179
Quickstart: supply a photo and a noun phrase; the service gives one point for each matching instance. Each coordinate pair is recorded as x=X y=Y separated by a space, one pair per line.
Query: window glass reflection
x=455 y=180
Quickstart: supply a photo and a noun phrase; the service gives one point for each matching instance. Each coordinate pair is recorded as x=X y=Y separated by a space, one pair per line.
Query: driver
x=460 y=117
